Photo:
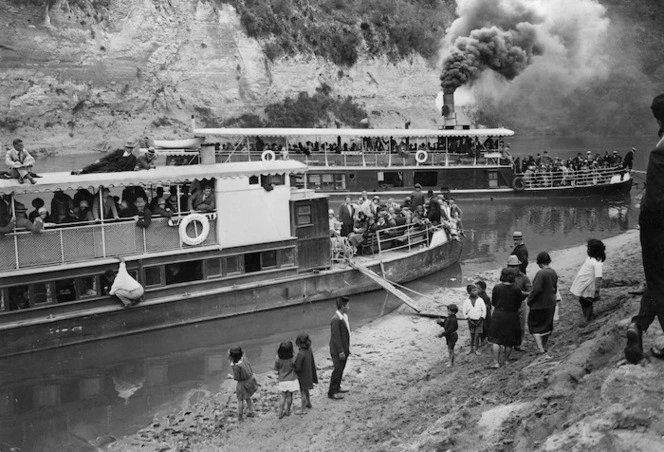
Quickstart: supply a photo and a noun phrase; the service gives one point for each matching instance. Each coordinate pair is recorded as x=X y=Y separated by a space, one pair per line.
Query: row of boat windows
x=88 y=287
x=335 y=181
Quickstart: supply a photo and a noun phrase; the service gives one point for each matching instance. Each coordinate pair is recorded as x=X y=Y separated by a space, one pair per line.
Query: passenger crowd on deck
x=404 y=146
x=356 y=223
x=543 y=170
x=87 y=207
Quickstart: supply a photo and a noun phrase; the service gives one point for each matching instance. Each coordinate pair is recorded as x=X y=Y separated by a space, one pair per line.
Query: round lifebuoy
x=268 y=155
x=518 y=184
x=421 y=156
x=205 y=229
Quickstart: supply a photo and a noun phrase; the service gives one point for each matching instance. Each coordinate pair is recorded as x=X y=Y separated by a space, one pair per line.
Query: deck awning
x=50 y=182
x=360 y=133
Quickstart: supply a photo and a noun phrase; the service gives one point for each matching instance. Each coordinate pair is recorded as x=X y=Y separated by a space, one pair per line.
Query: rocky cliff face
x=89 y=74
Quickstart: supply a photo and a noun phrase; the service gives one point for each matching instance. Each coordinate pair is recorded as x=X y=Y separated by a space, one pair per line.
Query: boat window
x=493 y=179
x=426 y=178
x=274 y=179
x=213 y=267
x=390 y=178
x=153 y=276
x=339 y=181
x=327 y=181
x=303 y=215
x=297 y=180
x=269 y=259
x=287 y=257
x=252 y=262
x=65 y=290
x=41 y=293
x=19 y=297
x=233 y=265
x=253 y=180
x=184 y=272
x=87 y=286
x=314 y=181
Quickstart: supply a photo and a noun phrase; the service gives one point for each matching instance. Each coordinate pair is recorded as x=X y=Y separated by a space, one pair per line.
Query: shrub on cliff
x=335 y=29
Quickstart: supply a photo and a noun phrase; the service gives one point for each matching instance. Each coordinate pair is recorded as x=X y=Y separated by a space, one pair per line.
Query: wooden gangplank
x=386 y=285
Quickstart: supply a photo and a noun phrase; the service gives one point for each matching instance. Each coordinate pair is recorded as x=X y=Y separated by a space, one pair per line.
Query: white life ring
x=268 y=155
x=421 y=156
x=200 y=238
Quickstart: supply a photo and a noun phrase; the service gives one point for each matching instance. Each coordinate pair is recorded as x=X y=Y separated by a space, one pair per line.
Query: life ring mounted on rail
x=268 y=155
x=518 y=184
x=421 y=156
x=202 y=235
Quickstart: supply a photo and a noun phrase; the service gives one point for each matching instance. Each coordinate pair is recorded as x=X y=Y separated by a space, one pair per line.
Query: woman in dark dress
x=505 y=328
x=542 y=302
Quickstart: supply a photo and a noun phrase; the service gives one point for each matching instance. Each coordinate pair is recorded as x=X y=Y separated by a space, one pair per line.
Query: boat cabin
x=254 y=226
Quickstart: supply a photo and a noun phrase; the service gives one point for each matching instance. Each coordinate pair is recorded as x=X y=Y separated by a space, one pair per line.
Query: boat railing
x=80 y=243
x=357 y=159
x=569 y=177
x=405 y=237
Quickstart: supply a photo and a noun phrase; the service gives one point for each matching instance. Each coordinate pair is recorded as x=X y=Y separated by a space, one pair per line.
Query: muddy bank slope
x=404 y=397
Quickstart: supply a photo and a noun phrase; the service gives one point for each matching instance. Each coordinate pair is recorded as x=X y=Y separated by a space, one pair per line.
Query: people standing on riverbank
x=284 y=364
x=475 y=311
x=339 y=347
x=450 y=326
x=481 y=290
x=523 y=283
x=520 y=251
x=246 y=382
x=505 y=329
x=588 y=280
x=542 y=302
x=305 y=368
x=651 y=223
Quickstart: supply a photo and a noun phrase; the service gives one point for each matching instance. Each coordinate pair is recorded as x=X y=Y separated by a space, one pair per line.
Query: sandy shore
x=404 y=397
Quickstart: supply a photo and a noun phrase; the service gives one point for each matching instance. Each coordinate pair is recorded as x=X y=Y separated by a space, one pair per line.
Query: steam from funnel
x=507 y=52
x=508 y=37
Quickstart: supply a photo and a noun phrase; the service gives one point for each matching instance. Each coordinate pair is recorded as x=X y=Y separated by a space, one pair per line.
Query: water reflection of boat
x=266 y=246
x=74 y=397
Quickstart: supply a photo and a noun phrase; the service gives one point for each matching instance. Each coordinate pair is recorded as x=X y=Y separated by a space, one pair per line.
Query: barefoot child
x=589 y=278
x=474 y=310
x=246 y=382
x=481 y=289
x=450 y=327
x=284 y=364
x=305 y=368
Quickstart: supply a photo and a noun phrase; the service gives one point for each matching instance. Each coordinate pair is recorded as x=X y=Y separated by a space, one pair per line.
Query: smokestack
x=449 y=115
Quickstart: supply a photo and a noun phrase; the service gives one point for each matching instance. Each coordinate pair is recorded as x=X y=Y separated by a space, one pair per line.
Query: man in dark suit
x=347 y=217
x=339 y=347
x=651 y=234
x=520 y=251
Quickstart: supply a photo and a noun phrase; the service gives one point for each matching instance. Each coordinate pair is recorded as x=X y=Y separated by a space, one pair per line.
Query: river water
x=69 y=398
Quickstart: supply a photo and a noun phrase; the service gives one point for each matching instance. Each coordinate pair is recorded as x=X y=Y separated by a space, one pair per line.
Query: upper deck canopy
x=312 y=132
x=49 y=182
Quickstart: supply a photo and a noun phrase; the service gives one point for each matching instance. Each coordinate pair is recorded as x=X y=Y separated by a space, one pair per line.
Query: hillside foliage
x=338 y=30
x=317 y=110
